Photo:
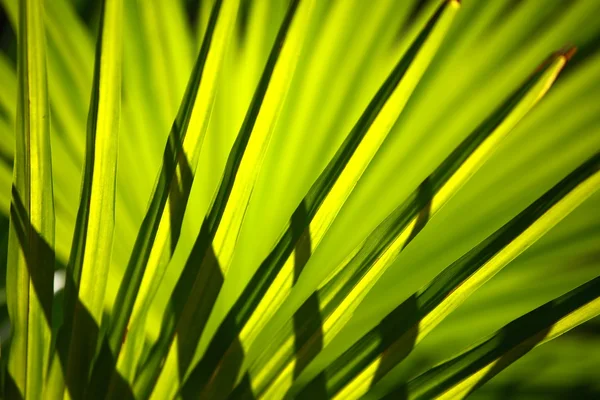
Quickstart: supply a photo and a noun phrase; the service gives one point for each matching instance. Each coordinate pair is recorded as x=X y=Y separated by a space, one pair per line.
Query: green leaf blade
x=90 y=260
x=31 y=254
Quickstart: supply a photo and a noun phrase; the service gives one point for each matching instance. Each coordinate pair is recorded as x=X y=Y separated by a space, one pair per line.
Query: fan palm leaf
x=297 y=198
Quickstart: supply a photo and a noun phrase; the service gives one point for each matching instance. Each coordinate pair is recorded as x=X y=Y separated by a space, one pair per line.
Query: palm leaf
x=333 y=212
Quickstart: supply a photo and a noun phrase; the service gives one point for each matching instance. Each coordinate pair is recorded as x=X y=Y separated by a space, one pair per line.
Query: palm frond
x=298 y=198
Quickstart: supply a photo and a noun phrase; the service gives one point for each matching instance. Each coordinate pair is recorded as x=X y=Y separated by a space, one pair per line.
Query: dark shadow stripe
x=11 y=391
x=192 y=14
x=308 y=331
x=225 y=343
x=8 y=38
x=302 y=252
x=179 y=194
x=585 y=51
x=402 y=319
x=243 y=391
x=173 y=158
x=39 y=256
x=307 y=320
x=316 y=389
x=417 y=8
x=243 y=19
x=82 y=350
x=78 y=350
x=508 y=10
x=225 y=352
x=211 y=223
x=193 y=318
x=506 y=360
x=551 y=13
x=423 y=202
x=7 y=159
x=399 y=393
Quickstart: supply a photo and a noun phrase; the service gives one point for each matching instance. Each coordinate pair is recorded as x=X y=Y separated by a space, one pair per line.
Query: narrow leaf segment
x=31 y=237
x=89 y=263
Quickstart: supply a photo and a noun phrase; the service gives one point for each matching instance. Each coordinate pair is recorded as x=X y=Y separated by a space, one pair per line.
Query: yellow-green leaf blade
x=31 y=254
x=87 y=272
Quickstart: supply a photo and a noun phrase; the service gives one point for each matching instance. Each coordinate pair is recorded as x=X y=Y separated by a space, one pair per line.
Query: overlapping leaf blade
x=272 y=282
x=460 y=376
x=376 y=353
x=339 y=297
x=201 y=279
x=161 y=226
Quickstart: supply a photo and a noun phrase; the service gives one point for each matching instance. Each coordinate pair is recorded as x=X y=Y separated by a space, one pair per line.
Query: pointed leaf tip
x=568 y=52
